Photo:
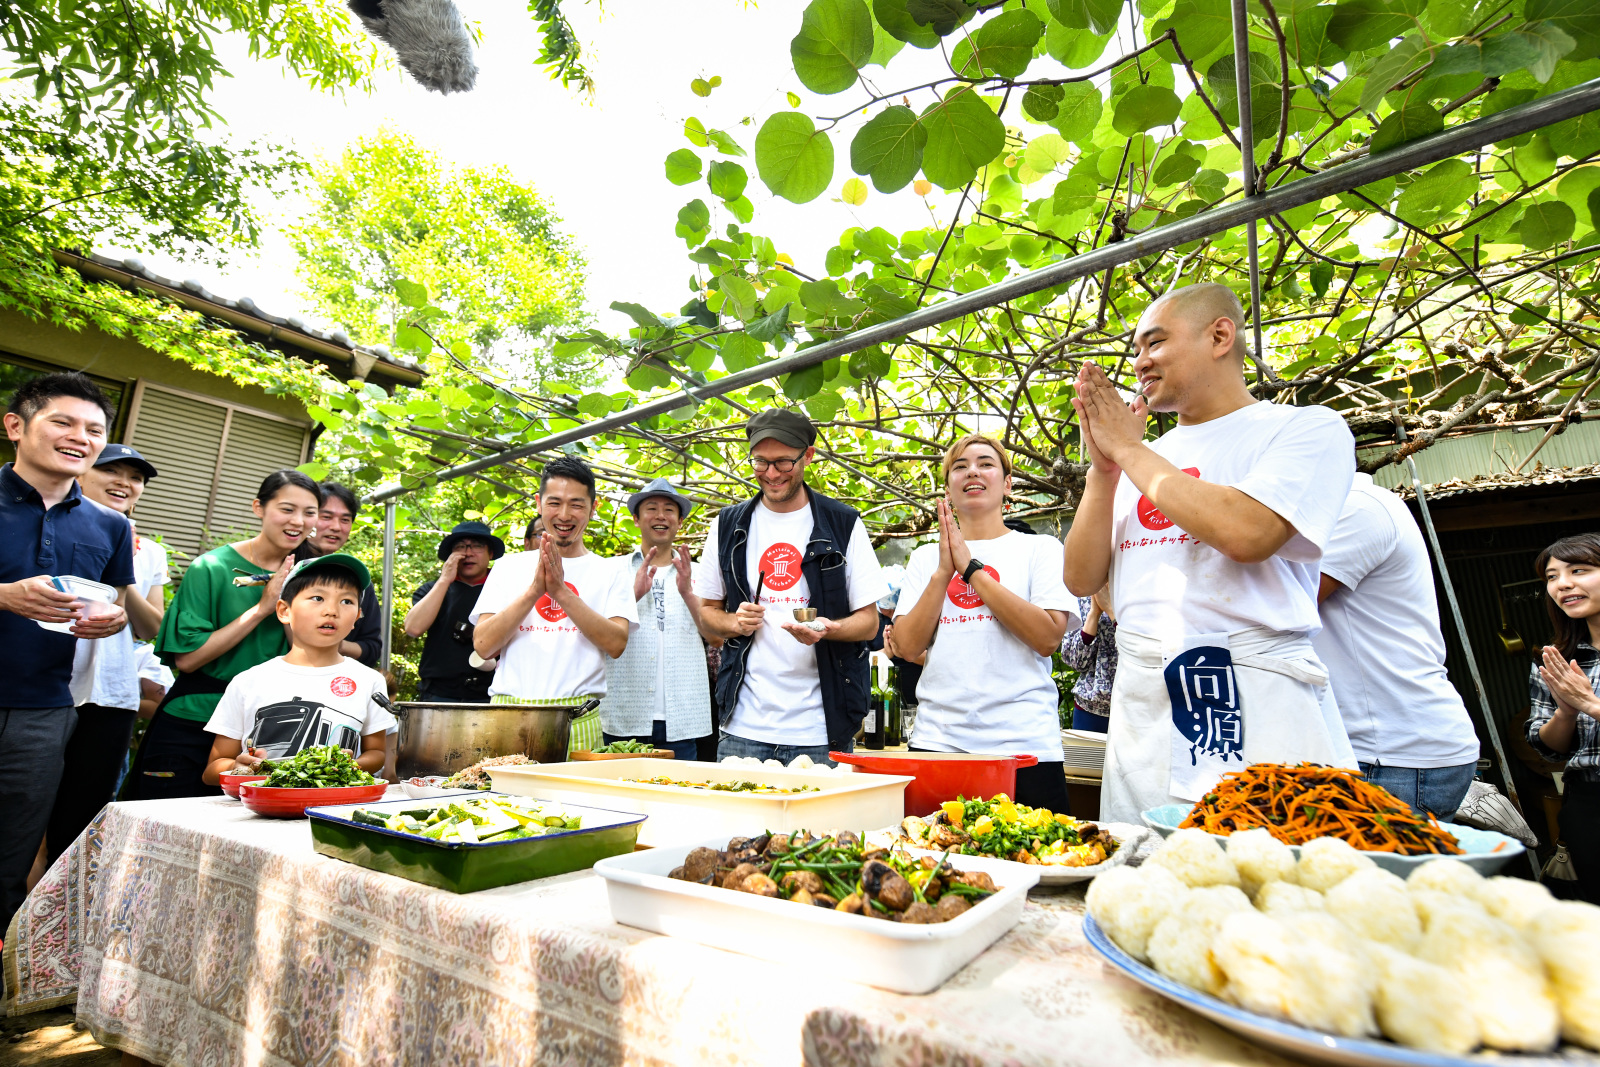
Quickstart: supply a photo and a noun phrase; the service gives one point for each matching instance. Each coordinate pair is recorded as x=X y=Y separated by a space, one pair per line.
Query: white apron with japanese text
x=1286 y=715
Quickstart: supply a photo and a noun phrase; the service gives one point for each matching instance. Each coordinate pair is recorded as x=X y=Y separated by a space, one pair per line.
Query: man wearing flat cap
x=788 y=688
x=450 y=671
x=657 y=691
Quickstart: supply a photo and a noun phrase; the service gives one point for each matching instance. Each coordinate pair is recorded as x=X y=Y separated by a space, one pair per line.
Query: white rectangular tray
x=844 y=802
x=889 y=955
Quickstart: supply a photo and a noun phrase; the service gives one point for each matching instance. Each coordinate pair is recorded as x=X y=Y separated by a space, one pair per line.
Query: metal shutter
x=182 y=436
x=256 y=447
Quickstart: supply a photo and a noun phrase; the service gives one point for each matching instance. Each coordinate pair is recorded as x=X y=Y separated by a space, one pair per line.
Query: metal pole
x=1247 y=157
x=388 y=582
x=1533 y=115
x=1466 y=641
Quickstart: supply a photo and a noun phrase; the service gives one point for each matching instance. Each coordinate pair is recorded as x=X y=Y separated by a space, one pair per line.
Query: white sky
x=599 y=161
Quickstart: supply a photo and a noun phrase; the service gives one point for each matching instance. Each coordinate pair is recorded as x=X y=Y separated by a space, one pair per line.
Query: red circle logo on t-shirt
x=548 y=609
x=1150 y=515
x=963 y=595
x=342 y=686
x=781 y=563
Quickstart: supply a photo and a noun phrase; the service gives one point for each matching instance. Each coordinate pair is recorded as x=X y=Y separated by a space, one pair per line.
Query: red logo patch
x=548 y=609
x=342 y=686
x=1150 y=515
x=782 y=564
x=963 y=595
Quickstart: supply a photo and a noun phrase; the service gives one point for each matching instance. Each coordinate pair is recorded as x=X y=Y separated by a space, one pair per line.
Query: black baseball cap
x=780 y=424
x=124 y=454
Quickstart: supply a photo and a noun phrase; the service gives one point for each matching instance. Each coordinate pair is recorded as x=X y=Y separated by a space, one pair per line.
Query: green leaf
x=1390 y=68
x=694 y=216
x=885 y=46
x=1004 y=44
x=741 y=208
x=1264 y=76
x=838 y=261
x=1407 y=124
x=823 y=299
x=1574 y=190
x=1321 y=277
x=794 y=160
x=1547 y=224
x=740 y=351
x=1202 y=27
x=1098 y=16
x=411 y=294
x=594 y=405
x=834 y=43
x=1551 y=44
x=803 y=383
x=1144 y=107
x=892 y=16
x=1308 y=40
x=1177 y=167
x=964 y=134
x=1045 y=153
x=412 y=339
x=740 y=293
x=1042 y=102
x=824 y=405
x=725 y=144
x=868 y=363
x=1436 y=192
x=1575 y=18
x=1360 y=24
x=683 y=167
x=727 y=180
x=942 y=16
x=889 y=148
x=1078 y=114
x=1073 y=49
x=768 y=327
x=700 y=87
x=638 y=313
x=793 y=98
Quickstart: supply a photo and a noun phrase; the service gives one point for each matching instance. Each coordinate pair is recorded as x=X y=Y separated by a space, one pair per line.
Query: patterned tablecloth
x=192 y=932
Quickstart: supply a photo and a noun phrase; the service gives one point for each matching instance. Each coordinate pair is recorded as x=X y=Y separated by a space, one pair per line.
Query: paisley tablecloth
x=194 y=933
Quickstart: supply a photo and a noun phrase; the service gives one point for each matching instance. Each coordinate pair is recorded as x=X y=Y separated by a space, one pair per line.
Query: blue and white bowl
x=1483 y=850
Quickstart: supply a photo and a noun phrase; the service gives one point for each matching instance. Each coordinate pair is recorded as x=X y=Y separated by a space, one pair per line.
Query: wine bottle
x=873 y=728
x=891 y=709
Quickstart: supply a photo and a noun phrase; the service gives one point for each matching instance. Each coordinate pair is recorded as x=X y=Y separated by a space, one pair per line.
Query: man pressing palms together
x=1210 y=537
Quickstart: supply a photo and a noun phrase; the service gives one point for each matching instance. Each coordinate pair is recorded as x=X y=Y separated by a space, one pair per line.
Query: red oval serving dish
x=232 y=782
x=292 y=803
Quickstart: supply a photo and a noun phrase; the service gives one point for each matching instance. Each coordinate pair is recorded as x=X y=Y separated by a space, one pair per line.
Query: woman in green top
x=214 y=629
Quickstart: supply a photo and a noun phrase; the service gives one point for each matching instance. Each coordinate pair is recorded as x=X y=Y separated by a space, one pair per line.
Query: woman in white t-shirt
x=988 y=606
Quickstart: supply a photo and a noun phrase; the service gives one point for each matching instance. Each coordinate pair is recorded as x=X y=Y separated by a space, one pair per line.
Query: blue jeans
x=729 y=745
x=658 y=737
x=1439 y=790
x=1088 y=720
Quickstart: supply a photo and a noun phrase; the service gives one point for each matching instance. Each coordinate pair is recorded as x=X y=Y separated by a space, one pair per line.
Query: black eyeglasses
x=761 y=464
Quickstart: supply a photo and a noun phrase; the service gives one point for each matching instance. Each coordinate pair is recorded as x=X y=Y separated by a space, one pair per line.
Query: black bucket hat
x=476 y=530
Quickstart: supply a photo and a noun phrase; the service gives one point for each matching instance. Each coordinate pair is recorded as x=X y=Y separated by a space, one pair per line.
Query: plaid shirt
x=1584 y=759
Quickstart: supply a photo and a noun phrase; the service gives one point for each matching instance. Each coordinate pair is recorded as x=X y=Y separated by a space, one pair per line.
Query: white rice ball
x=1422 y=1005
x=1446 y=875
x=1128 y=902
x=1180 y=944
x=1276 y=898
x=1503 y=977
x=1260 y=859
x=1375 y=904
x=1197 y=859
x=1566 y=935
x=1514 y=900
x=1327 y=861
x=1291 y=968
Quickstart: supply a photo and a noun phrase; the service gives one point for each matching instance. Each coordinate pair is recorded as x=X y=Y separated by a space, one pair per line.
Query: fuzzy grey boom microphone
x=428 y=37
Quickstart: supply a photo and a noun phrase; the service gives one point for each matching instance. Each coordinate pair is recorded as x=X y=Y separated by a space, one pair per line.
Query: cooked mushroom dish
x=838 y=871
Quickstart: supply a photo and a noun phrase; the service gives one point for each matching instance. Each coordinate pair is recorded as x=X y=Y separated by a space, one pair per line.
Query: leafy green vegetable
x=315 y=768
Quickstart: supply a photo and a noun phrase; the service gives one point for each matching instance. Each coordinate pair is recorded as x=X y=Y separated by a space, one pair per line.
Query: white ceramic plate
x=1298 y=1040
x=1130 y=836
x=1484 y=850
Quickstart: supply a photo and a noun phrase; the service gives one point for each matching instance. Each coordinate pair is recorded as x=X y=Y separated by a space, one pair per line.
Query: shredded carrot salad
x=1296 y=804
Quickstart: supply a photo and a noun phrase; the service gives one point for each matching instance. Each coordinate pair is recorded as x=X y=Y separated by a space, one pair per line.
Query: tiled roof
x=1460 y=487
x=246 y=315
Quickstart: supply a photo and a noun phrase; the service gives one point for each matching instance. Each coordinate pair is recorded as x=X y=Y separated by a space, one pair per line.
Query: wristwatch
x=972 y=568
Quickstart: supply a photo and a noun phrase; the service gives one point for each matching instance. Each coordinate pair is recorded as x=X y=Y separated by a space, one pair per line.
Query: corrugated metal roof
x=1472 y=458
x=1459 y=487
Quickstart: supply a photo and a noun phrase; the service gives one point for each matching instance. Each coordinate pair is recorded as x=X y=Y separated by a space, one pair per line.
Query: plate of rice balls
x=1331 y=958
x=1298 y=804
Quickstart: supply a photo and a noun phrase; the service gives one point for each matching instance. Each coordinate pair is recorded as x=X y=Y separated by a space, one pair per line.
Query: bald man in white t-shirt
x=1210 y=536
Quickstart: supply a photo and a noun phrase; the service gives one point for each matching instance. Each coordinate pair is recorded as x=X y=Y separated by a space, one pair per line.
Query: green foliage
x=793 y=157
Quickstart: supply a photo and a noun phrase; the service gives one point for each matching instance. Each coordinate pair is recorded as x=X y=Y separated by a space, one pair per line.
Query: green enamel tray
x=467 y=868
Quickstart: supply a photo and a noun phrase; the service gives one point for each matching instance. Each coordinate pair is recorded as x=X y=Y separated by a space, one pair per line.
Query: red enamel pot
x=942 y=776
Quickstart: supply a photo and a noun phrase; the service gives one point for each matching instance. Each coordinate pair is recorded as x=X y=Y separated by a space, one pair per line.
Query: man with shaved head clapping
x=1210 y=536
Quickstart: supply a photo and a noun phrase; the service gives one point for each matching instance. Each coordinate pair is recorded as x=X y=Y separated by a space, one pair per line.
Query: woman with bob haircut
x=1564 y=719
x=988 y=606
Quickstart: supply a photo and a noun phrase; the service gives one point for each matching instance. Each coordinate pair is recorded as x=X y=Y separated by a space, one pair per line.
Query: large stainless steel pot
x=443 y=738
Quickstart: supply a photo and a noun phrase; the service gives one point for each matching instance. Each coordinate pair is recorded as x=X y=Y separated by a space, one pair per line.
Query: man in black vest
x=785 y=688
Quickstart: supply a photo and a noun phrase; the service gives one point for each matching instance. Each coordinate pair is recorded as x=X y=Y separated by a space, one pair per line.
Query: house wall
x=211 y=439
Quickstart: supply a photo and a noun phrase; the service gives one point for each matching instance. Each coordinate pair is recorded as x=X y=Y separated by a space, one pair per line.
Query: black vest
x=844 y=667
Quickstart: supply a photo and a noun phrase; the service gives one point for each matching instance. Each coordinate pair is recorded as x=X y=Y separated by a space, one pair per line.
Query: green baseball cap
x=335 y=561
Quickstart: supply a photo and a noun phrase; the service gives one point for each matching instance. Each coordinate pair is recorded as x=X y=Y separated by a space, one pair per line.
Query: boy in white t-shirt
x=1210 y=536
x=313 y=695
x=554 y=616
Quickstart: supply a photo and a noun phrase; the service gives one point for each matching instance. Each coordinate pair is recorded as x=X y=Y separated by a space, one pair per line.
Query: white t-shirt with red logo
x=983 y=689
x=780 y=702
x=549 y=657
x=1298 y=461
x=284 y=708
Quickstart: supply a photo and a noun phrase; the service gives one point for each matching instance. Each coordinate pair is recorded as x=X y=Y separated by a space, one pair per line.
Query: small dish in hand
x=805 y=614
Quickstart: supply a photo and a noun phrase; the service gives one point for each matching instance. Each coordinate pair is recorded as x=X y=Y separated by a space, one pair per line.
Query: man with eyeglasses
x=785 y=688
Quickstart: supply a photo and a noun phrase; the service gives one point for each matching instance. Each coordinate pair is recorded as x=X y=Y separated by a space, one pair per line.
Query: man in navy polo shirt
x=57 y=423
